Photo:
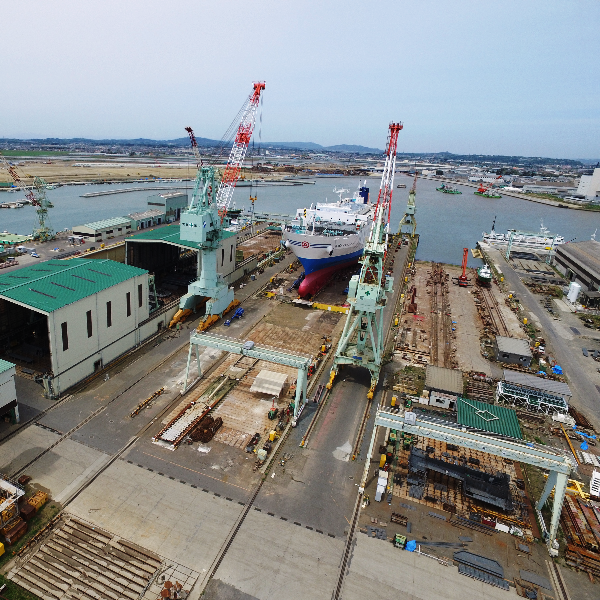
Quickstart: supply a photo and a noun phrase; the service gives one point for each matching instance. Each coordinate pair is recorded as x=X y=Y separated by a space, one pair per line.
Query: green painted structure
x=488 y=417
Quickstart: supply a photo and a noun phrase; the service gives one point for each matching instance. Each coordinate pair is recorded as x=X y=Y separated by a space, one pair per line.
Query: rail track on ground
x=493 y=309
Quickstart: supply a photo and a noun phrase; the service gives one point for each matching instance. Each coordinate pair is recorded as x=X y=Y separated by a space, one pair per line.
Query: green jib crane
x=363 y=337
x=42 y=230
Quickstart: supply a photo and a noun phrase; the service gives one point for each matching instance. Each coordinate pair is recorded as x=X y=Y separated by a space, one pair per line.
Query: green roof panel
x=50 y=285
x=488 y=417
x=104 y=224
x=170 y=235
x=5 y=365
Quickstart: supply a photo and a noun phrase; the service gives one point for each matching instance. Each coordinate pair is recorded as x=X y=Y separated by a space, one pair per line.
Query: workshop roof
x=50 y=285
x=5 y=365
x=510 y=345
x=106 y=223
x=169 y=235
x=444 y=380
x=488 y=417
x=538 y=383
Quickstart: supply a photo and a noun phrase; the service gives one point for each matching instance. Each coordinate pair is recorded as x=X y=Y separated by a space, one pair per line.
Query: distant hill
x=521 y=161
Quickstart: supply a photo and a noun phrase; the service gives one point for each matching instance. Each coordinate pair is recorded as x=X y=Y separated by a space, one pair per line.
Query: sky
x=517 y=77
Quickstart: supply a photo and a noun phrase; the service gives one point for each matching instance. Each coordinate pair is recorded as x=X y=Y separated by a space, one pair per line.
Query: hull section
x=315 y=281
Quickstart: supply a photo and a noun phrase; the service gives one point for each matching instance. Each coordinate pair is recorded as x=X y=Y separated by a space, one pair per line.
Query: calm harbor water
x=447 y=223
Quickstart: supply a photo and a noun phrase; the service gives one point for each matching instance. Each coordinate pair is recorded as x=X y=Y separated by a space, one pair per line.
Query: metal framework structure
x=238 y=150
x=409 y=217
x=363 y=337
x=530 y=399
x=202 y=222
x=37 y=196
x=555 y=461
x=274 y=355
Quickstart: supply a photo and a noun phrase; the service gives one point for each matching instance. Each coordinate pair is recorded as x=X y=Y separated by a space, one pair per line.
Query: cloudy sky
x=466 y=76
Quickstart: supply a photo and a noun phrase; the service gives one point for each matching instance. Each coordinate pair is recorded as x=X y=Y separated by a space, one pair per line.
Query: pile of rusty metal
x=580 y=521
x=206 y=429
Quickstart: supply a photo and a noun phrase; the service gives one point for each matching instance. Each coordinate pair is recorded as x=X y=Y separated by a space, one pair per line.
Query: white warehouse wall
x=106 y=343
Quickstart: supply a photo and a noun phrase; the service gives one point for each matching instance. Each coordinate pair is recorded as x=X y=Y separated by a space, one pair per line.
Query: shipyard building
x=67 y=319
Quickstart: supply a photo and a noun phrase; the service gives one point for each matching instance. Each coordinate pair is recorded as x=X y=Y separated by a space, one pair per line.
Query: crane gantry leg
x=363 y=337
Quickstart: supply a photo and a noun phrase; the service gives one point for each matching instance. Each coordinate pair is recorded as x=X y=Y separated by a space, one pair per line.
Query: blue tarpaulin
x=411 y=546
x=557 y=370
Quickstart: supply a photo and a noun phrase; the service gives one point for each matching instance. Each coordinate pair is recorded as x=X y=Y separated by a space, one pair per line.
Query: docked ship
x=484 y=275
x=540 y=241
x=329 y=236
x=448 y=189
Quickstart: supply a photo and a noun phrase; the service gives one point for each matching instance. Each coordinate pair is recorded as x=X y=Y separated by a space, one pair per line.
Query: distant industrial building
x=513 y=351
x=67 y=319
x=99 y=231
x=146 y=219
x=8 y=392
x=579 y=262
x=171 y=203
x=589 y=186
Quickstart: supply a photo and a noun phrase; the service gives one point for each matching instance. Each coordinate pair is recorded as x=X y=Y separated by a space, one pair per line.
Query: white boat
x=329 y=236
x=544 y=239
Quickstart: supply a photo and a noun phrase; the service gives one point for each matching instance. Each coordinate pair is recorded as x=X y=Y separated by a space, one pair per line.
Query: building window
x=140 y=295
x=65 y=336
x=88 y=315
x=231 y=254
x=109 y=314
x=128 y=299
x=222 y=256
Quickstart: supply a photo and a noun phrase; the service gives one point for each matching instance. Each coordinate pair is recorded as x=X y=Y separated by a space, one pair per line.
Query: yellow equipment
x=394 y=400
x=382 y=461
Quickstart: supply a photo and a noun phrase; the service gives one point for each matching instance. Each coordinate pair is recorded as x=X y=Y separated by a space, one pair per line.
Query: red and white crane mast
x=238 y=150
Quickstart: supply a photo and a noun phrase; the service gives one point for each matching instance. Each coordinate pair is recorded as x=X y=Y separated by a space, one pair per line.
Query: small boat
x=401 y=186
x=484 y=275
x=448 y=189
x=487 y=194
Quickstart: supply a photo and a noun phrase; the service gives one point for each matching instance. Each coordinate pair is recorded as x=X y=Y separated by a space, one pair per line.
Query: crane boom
x=362 y=340
x=238 y=150
x=194 y=146
x=482 y=189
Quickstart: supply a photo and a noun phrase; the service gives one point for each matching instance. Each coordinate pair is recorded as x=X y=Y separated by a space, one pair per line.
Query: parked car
x=585 y=352
x=35 y=255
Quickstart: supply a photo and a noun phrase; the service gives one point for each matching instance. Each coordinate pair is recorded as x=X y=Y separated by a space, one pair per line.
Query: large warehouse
x=580 y=262
x=69 y=318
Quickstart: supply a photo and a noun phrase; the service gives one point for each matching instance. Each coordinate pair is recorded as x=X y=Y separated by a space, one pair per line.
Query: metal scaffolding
x=555 y=461
x=249 y=348
x=530 y=399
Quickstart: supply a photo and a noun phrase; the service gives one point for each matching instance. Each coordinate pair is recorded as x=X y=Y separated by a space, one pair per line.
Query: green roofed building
x=488 y=417
x=68 y=318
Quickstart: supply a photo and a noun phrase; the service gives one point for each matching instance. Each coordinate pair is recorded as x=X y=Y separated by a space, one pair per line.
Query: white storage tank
x=574 y=290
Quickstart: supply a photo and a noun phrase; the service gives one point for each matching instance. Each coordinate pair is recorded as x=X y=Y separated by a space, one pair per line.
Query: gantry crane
x=202 y=222
x=409 y=217
x=363 y=337
x=37 y=197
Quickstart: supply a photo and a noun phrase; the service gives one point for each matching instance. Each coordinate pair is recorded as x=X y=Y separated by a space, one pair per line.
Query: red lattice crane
x=238 y=150
x=483 y=189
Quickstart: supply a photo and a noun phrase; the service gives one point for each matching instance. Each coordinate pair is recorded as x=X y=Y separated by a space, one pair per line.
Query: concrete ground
x=382 y=571
x=468 y=328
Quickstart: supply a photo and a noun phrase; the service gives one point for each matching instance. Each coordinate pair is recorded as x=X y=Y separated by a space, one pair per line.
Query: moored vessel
x=329 y=236
x=448 y=189
x=484 y=275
